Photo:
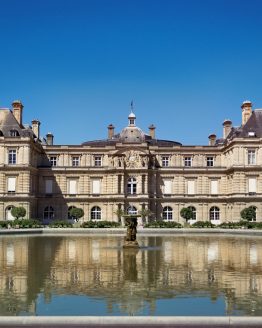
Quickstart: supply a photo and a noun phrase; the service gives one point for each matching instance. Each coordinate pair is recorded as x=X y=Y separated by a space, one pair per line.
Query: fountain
x=130 y=240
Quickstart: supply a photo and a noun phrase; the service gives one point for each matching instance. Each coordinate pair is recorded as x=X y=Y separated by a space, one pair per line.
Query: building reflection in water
x=131 y=281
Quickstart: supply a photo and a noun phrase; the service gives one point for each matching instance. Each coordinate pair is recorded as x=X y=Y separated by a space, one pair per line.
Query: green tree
x=119 y=213
x=145 y=212
x=186 y=213
x=18 y=212
x=76 y=213
x=248 y=213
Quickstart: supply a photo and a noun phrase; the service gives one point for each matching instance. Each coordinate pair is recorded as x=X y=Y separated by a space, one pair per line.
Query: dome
x=132 y=115
x=132 y=134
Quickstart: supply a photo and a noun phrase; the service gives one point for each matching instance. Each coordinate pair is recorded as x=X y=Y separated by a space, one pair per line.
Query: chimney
x=246 y=111
x=111 y=131
x=227 y=126
x=36 y=128
x=49 y=139
x=152 y=129
x=18 y=111
x=212 y=139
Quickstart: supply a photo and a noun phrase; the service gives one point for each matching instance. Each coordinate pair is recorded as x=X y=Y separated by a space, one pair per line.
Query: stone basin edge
x=122 y=231
x=135 y=321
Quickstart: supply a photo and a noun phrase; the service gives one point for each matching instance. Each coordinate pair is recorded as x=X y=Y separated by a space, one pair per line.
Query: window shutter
x=96 y=186
x=214 y=187
x=48 y=186
x=11 y=182
x=72 y=187
x=167 y=187
x=191 y=187
x=252 y=185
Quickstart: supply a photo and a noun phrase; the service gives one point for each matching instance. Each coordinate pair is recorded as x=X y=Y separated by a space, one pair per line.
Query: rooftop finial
x=132 y=105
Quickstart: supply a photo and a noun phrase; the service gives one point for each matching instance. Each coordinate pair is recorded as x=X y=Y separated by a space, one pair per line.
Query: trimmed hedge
x=163 y=224
x=203 y=224
x=60 y=224
x=21 y=223
x=100 y=224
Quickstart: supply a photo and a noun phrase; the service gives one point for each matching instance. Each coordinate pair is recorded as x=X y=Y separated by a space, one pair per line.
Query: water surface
x=93 y=275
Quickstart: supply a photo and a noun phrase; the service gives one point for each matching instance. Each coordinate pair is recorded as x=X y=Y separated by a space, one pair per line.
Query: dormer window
x=14 y=133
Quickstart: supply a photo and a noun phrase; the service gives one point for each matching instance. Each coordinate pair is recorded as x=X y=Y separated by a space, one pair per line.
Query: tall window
x=210 y=161
x=131 y=210
x=53 y=160
x=96 y=186
x=188 y=161
x=252 y=185
x=167 y=187
x=251 y=157
x=131 y=186
x=49 y=213
x=48 y=186
x=11 y=183
x=214 y=187
x=214 y=213
x=72 y=186
x=75 y=161
x=12 y=156
x=191 y=187
x=193 y=209
x=167 y=213
x=98 y=160
x=8 y=214
x=96 y=213
x=165 y=161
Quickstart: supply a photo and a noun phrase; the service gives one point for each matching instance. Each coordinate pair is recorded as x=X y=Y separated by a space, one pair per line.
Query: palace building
x=130 y=170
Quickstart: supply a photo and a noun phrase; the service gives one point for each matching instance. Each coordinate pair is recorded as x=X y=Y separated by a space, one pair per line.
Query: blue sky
x=76 y=65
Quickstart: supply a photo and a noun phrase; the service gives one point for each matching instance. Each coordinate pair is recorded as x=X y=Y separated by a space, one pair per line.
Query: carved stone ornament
x=132 y=159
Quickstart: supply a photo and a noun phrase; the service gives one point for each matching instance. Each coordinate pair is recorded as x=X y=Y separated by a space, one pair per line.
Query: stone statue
x=130 y=240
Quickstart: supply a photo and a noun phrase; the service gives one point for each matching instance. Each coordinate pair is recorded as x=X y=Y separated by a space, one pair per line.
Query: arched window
x=214 y=213
x=131 y=210
x=96 y=213
x=8 y=214
x=193 y=209
x=167 y=213
x=1 y=133
x=49 y=213
x=131 y=186
x=14 y=133
x=68 y=213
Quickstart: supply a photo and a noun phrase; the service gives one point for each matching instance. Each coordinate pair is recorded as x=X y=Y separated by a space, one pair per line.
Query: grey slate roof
x=254 y=124
x=9 y=123
x=117 y=139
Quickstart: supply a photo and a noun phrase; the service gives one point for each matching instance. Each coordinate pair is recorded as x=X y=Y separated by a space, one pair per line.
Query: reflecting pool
x=93 y=275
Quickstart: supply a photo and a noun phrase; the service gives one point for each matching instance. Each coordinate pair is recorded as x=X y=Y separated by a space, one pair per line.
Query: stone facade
x=131 y=171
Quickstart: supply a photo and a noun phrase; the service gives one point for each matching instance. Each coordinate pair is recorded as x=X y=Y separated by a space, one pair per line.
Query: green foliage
x=163 y=224
x=25 y=223
x=145 y=212
x=18 y=223
x=18 y=212
x=119 y=213
x=4 y=224
x=248 y=213
x=203 y=224
x=76 y=213
x=186 y=213
x=60 y=224
x=100 y=224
